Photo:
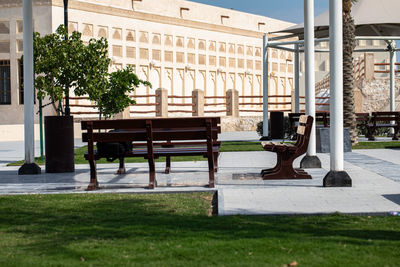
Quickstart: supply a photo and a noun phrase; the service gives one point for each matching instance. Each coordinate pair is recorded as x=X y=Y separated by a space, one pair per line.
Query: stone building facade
x=177 y=45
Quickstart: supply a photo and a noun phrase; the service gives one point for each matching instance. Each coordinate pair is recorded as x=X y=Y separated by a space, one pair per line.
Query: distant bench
x=383 y=119
x=154 y=138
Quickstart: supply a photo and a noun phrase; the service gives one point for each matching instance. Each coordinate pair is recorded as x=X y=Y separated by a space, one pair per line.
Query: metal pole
x=310 y=160
x=310 y=75
x=41 y=129
x=336 y=177
x=336 y=84
x=67 y=109
x=392 y=81
x=392 y=78
x=297 y=79
x=29 y=167
x=265 y=89
x=28 y=82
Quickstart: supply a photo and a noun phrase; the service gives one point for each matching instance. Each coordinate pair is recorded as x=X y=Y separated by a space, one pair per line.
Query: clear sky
x=288 y=10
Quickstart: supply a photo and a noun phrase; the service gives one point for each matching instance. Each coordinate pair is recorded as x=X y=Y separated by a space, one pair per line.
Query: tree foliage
x=68 y=63
x=115 y=99
x=63 y=61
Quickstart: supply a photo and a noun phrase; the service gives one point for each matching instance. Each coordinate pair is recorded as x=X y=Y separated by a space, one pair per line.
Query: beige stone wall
x=176 y=45
x=244 y=123
x=376 y=94
x=181 y=53
x=11 y=14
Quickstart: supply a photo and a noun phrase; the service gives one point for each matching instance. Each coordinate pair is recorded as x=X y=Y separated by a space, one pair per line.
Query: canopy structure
x=371 y=17
x=374 y=20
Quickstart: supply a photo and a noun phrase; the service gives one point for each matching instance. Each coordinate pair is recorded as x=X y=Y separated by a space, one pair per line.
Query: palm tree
x=349 y=43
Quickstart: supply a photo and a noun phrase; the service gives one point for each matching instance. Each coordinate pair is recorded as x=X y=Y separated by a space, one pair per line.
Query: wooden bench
x=383 y=120
x=362 y=120
x=154 y=138
x=287 y=153
x=320 y=117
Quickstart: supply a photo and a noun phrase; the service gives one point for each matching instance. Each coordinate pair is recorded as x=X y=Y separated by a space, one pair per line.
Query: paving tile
x=376 y=183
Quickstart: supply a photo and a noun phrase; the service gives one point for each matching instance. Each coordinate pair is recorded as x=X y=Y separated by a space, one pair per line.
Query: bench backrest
x=385 y=116
x=319 y=117
x=303 y=133
x=362 y=117
x=162 y=129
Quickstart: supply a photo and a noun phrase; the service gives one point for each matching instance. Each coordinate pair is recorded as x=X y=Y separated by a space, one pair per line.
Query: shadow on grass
x=53 y=222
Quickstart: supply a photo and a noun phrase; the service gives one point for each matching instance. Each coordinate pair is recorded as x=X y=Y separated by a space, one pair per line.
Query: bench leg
x=167 y=164
x=395 y=135
x=274 y=169
x=211 y=169
x=216 y=154
x=152 y=174
x=285 y=169
x=121 y=169
x=94 y=184
x=371 y=132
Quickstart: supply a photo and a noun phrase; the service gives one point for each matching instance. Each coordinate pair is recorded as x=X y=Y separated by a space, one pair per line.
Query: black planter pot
x=59 y=143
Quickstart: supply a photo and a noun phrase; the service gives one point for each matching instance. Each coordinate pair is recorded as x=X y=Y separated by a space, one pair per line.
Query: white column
x=336 y=84
x=297 y=79
x=28 y=81
x=309 y=72
x=265 y=86
x=392 y=78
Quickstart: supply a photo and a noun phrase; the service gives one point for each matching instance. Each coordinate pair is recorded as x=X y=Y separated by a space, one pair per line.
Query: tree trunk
x=349 y=43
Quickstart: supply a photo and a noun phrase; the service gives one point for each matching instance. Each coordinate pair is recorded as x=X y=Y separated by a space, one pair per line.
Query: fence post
x=293 y=101
x=369 y=66
x=358 y=100
x=126 y=114
x=232 y=103
x=162 y=100
x=198 y=103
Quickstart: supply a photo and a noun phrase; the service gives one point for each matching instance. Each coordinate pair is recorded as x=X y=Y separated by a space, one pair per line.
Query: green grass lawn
x=225 y=147
x=177 y=230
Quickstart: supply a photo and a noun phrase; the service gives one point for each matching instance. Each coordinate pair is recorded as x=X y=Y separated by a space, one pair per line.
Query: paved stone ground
x=371 y=192
x=375 y=175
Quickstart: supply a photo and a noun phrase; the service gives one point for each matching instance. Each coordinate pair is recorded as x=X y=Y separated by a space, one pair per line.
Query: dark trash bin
x=59 y=143
x=277 y=127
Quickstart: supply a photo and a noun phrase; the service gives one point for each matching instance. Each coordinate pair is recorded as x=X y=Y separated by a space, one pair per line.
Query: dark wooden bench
x=320 y=117
x=362 y=120
x=383 y=119
x=287 y=153
x=154 y=138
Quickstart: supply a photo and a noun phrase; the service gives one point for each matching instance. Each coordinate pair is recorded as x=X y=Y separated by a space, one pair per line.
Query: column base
x=29 y=168
x=265 y=138
x=337 y=179
x=310 y=162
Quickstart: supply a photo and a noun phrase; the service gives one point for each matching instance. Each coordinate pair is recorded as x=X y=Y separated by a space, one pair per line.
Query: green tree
x=349 y=43
x=115 y=98
x=69 y=63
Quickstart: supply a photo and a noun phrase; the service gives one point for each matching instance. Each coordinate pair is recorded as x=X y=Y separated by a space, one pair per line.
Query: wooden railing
x=180 y=105
x=385 y=65
x=216 y=104
x=154 y=104
x=358 y=68
x=317 y=104
x=136 y=97
x=358 y=73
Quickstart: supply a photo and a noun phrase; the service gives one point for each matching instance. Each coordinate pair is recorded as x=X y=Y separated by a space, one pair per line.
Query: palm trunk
x=349 y=43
